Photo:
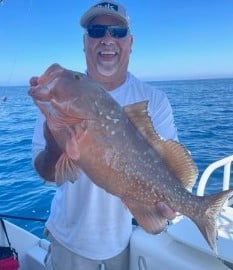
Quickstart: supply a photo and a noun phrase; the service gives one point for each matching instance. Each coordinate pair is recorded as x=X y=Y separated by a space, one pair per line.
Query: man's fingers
x=33 y=81
x=166 y=211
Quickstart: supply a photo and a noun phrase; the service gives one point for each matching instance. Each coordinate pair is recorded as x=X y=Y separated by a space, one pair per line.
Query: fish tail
x=206 y=220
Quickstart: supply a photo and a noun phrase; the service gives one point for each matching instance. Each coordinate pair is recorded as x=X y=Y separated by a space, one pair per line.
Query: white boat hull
x=182 y=247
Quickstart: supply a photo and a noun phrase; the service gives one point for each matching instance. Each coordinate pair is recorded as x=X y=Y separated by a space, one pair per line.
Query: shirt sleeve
x=38 y=140
x=161 y=114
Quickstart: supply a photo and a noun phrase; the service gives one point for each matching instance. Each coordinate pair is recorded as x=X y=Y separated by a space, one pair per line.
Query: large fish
x=119 y=150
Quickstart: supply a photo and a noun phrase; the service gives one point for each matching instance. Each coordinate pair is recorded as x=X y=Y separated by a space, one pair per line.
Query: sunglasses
x=99 y=31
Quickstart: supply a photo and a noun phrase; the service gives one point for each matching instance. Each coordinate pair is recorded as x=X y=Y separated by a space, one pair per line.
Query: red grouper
x=118 y=148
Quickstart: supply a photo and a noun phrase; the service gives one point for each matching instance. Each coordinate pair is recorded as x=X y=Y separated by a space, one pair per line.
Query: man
x=87 y=226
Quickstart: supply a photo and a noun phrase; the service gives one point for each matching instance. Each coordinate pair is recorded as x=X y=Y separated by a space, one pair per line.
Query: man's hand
x=34 y=81
x=165 y=211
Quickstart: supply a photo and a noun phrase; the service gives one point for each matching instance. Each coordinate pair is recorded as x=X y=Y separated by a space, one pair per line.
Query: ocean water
x=203 y=111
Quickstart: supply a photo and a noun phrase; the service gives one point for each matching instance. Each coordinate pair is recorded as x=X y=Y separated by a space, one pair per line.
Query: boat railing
x=226 y=163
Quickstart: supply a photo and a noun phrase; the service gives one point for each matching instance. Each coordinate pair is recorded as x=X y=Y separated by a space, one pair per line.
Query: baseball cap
x=105 y=8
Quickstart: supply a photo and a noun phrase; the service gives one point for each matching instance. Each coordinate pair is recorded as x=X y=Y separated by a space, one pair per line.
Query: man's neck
x=109 y=83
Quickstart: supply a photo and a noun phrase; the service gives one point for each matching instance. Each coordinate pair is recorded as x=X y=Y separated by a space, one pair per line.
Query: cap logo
x=107 y=5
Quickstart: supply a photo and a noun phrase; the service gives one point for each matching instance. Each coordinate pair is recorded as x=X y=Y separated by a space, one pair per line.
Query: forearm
x=46 y=160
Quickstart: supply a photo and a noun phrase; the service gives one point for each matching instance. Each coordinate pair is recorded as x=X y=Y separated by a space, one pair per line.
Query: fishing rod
x=26 y=16
x=23 y=218
x=22 y=25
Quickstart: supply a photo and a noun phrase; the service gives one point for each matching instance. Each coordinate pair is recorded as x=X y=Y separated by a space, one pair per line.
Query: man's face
x=107 y=57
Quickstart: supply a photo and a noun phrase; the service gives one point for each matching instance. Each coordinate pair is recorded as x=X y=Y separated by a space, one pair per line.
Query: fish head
x=53 y=84
x=60 y=84
x=70 y=92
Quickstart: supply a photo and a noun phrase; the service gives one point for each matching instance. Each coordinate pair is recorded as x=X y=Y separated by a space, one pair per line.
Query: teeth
x=107 y=53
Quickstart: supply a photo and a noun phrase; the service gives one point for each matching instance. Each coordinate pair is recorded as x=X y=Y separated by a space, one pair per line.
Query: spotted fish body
x=120 y=151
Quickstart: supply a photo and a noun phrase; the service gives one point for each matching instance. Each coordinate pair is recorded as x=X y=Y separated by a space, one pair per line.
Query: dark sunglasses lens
x=118 y=31
x=99 y=31
x=96 y=31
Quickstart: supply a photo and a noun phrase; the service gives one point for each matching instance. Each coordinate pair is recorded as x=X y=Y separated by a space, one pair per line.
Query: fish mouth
x=41 y=93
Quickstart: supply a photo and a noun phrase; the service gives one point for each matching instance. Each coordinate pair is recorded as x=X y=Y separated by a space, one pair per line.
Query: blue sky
x=173 y=39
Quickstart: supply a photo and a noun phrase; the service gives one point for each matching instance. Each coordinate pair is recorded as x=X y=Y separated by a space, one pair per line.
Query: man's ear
x=84 y=42
x=131 y=45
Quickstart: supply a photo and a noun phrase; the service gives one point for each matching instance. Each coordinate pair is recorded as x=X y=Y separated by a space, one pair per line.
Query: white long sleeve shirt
x=84 y=217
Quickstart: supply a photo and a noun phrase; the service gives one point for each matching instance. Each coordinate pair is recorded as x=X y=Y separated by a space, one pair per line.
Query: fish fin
x=174 y=154
x=148 y=217
x=179 y=162
x=206 y=220
x=76 y=134
x=66 y=169
x=72 y=148
x=138 y=115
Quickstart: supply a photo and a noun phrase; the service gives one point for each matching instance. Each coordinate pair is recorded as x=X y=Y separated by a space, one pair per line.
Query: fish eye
x=76 y=76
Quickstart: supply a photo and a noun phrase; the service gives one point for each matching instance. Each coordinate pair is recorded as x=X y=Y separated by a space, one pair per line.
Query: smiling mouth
x=108 y=56
x=107 y=53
